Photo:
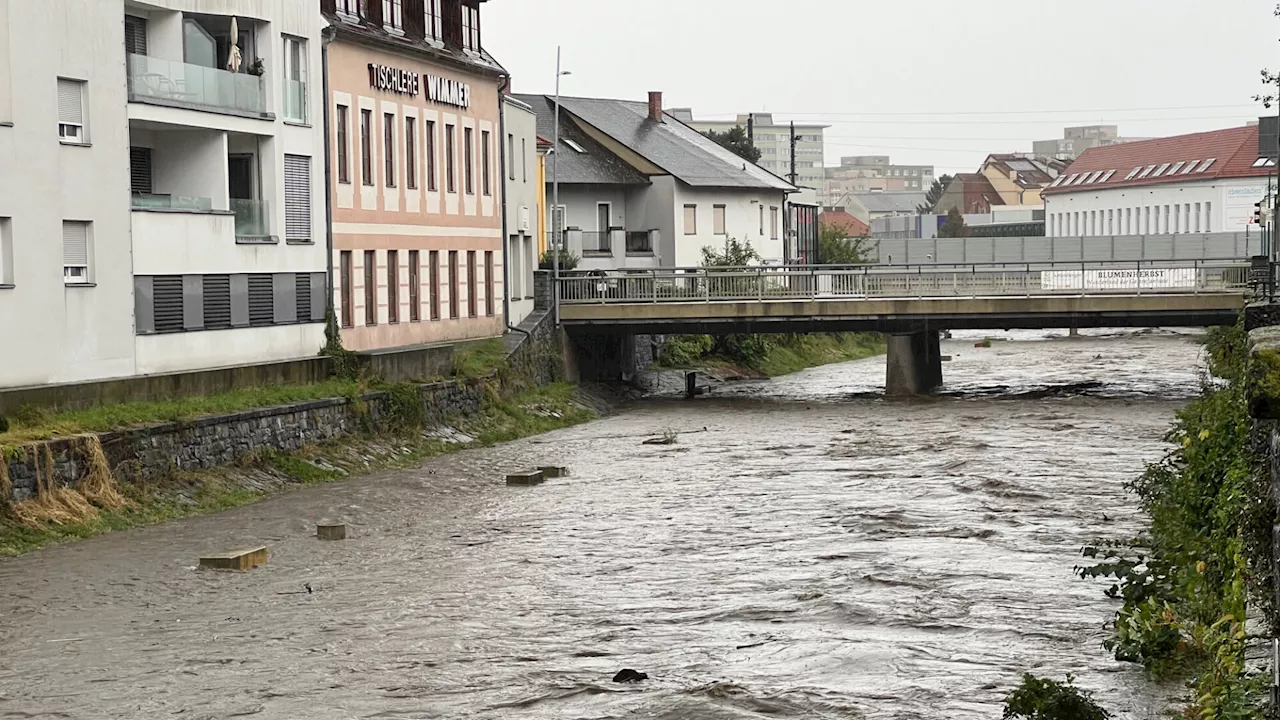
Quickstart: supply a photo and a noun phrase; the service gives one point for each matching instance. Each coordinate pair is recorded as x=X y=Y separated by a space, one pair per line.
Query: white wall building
x=188 y=198
x=1200 y=183
x=521 y=198
x=638 y=188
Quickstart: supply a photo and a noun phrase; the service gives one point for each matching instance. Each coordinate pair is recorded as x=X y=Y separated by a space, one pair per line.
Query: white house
x=1201 y=183
x=521 y=203
x=188 y=197
x=638 y=188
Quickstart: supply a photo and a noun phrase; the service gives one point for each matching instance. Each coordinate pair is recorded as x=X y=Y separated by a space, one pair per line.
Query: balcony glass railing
x=194 y=84
x=295 y=101
x=151 y=201
x=251 y=218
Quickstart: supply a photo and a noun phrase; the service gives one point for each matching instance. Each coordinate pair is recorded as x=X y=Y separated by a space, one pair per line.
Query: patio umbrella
x=233 y=56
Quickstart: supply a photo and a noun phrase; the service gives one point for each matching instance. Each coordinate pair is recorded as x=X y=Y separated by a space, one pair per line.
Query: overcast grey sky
x=940 y=82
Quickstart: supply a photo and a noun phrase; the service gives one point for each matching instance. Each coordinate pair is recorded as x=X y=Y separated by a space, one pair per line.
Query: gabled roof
x=1214 y=155
x=1033 y=172
x=580 y=159
x=890 y=201
x=365 y=31
x=678 y=149
x=840 y=218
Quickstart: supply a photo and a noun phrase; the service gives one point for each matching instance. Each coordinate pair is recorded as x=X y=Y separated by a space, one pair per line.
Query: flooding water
x=807 y=550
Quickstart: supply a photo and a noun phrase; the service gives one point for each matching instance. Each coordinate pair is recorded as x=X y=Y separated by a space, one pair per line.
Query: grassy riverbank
x=770 y=355
x=1204 y=560
x=64 y=518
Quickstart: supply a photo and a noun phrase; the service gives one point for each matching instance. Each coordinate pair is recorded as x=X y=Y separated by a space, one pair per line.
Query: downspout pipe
x=502 y=154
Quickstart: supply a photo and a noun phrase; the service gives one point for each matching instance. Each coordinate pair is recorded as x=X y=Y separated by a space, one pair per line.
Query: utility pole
x=793 y=175
x=557 y=220
x=751 y=128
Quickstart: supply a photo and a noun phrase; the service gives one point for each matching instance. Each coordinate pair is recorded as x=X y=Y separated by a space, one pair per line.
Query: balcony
x=252 y=221
x=595 y=244
x=178 y=84
x=178 y=203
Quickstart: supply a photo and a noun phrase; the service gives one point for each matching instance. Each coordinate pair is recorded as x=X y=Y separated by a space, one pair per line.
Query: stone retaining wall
x=144 y=453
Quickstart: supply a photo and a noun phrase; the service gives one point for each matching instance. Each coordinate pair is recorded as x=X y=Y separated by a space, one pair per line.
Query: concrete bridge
x=911 y=304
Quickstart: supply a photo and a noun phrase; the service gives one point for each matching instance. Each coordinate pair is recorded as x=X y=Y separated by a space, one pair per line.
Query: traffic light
x=1257 y=213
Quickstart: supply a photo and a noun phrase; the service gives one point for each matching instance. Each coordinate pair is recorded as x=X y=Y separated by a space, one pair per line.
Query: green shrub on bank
x=771 y=355
x=1044 y=699
x=1206 y=556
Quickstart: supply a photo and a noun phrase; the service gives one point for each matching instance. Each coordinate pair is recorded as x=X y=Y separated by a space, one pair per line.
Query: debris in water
x=629 y=676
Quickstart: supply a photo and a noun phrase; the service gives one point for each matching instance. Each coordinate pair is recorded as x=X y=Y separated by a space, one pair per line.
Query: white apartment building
x=773 y=140
x=188 y=198
x=521 y=202
x=1199 y=183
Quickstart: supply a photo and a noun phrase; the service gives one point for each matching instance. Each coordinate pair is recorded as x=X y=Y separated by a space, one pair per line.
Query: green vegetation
x=931 y=198
x=771 y=355
x=479 y=359
x=1044 y=699
x=736 y=141
x=32 y=423
x=568 y=261
x=1187 y=583
x=187 y=494
x=837 y=248
x=954 y=226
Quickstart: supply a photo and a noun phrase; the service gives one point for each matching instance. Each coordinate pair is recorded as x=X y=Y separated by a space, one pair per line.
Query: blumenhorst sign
x=404 y=82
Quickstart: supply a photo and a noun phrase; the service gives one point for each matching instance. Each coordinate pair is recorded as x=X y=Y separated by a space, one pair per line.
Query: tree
x=1271 y=81
x=835 y=247
x=735 y=140
x=935 y=193
x=1044 y=699
x=736 y=254
x=954 y=227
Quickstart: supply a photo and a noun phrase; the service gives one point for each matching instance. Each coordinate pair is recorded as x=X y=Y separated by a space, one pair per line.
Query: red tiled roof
x=1233 y=151
x=839 y=217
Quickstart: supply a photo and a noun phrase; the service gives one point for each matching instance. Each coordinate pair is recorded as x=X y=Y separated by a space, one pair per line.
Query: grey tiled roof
x=596 y=166
x=673 y=146
x=890 y=201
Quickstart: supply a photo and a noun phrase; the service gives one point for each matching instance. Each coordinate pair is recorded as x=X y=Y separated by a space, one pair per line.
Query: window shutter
x=297 y=197
x=262 y=301
x=303 y=287
x=135 y=35
x=140 y=170
x=70 y=102
x=75 y=244
x=217 y=302
x=167 y=302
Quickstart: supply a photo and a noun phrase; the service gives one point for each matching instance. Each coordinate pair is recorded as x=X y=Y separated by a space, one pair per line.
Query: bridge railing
x=815 y=282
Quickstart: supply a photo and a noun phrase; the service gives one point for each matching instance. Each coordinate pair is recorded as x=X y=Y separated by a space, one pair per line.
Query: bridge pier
x=914 y=364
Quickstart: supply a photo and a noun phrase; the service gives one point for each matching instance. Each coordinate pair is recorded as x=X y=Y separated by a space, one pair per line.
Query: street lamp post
x=557 y=233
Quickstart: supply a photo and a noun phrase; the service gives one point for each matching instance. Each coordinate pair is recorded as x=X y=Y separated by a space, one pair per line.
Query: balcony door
x=241 y=184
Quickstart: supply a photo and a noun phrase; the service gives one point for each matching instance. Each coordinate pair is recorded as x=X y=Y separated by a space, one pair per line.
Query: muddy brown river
x=807 y=550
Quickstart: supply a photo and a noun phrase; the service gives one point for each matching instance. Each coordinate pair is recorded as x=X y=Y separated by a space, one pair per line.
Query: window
x=488 y=283
x=470 y=28
x=1186 y=218
x=71 y=111
x=1111 y=227
x=431 y=11
x=468 y=158
x=393 y=286
x=392 y=15
x=1146 y=223
x=1191 y=166
x=297 y=198
x=1128 y=221
x=524 y=158
x=366 y=147
x=1205 y=165
x=1107 y=176
x=1133 y=172
x=576 y=147
x=1176 y=167
x=1160 y=170
x=302 y=298
x=1198 y=217
x=511 y=156
x=344 y=159
x=411 y=153
x=430 y=148
x=1166 y=218
x=762 y=221
x=370 y=287
x=433 y=283
x=484 y=162
x=415 y=288
x=389 y=148
x=773 y=223
x=75 y=252
x=140 y=170
x=453 y=285
x=350 y=7
x=295 y=79
x=135 y=35
x=690 y=219
x=717 y=219
x=449 y=173
x=346 y=298
x=6 y=251
x=472 y=297
x=1208 y=217
x=1147 y=171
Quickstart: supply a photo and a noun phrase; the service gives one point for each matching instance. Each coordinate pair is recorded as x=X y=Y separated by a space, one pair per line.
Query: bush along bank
x=770 y=355
x=1188 y=582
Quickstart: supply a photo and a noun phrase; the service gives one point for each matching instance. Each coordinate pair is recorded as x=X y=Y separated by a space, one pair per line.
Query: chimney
x=655 y=106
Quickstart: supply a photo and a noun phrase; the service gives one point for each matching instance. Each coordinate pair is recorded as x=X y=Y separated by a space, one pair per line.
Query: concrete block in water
x=528 y=477
x=331 y=532
x=243 y=559
x=552 y=473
